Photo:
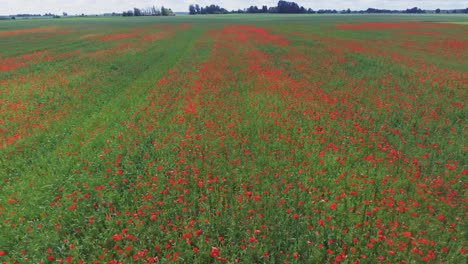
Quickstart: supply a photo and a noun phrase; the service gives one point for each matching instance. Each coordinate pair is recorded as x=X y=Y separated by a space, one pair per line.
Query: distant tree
x=154 y=11
x=136 y=12
x=345 y=11
x=197 y=9
x=164 y=11
x=327 y=11
x=264 y=9
x=25 y=15
x=65 y=14
x=212 y=9
x=146 y=11
x=414 y=10
x=252 y=9
x=465 y=11
x=374 y=10
x=288 y=7
x=157 y=11
x=379 y=11
x=215 y=9
x=437 y=11
x=192 y=10
x=149 y=11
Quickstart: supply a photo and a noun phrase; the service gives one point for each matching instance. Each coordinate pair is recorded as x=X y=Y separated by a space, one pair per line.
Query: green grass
x=271 y=138
x=458 y=22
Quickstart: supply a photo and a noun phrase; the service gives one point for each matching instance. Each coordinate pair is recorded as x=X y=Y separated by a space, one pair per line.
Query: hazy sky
x=102 y=6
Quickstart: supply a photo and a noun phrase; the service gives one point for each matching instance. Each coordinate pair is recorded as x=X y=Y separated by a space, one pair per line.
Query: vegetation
x=285 y=7
x=153 y=11
x=234 y=138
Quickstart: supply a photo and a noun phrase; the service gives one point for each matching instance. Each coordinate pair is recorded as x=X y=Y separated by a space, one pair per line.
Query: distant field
x=460 y=22
x=235 y=138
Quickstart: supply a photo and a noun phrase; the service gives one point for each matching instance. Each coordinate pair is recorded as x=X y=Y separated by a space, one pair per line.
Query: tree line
x=285 y=7
x=282 y=7
x=211 y=9
x=150 y=11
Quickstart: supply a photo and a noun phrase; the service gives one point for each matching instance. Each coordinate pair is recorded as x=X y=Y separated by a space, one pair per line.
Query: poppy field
x=234 y=139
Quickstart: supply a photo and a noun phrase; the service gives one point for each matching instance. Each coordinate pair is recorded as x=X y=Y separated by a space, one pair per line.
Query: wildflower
x=116 y=237
x=214 y=252
x=406 y=234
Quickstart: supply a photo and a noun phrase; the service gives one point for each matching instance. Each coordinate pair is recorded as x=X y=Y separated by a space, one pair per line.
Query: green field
x=459 y=22
x=234 y=138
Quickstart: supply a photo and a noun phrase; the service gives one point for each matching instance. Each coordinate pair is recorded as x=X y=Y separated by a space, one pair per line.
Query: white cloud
x=101 y=6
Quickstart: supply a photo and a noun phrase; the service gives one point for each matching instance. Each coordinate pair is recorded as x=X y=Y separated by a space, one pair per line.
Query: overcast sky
x=103 y=6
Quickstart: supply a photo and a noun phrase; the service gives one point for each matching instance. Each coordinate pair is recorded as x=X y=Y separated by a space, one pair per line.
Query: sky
x=104 y=6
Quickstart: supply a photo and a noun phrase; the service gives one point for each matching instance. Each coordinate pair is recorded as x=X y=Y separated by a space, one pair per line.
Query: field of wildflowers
x=279 y=139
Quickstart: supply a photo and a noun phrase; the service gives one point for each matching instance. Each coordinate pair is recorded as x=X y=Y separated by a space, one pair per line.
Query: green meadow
x=234 y=138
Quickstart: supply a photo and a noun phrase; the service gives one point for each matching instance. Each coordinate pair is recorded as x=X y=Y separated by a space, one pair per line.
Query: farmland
x=236 y=139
